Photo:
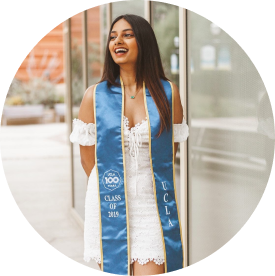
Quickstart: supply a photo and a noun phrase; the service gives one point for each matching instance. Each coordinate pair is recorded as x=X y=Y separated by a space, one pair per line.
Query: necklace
x=133 y=97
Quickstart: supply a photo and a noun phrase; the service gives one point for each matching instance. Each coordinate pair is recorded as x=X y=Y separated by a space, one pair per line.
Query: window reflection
x=123 y=7
x=231 y=138
x=76 y=62
x=96 y=40
x=79 y=177
x=165 y=22
x=95 y=26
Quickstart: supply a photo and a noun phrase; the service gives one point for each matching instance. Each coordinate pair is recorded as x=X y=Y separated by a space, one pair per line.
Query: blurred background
x=221 y=171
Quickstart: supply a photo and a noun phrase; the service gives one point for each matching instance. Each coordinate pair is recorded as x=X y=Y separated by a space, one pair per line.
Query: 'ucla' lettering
x=165 y=199
x=164 y=185
x=170 y=223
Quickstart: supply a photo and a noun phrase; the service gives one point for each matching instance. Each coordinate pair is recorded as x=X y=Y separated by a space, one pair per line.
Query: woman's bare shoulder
x=86 y=110
x=175 y=89
x=88 y=95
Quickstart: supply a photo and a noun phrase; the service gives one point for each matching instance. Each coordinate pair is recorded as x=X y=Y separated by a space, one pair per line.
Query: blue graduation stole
x=111 y=178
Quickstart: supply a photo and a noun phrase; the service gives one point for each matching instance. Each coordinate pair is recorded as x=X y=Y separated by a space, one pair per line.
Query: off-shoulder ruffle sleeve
x=181 y=132
x=83 y=133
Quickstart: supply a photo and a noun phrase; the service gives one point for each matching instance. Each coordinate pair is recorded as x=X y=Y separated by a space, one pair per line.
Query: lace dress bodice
x=84 y=133
x=136 y=141
x=145 y=233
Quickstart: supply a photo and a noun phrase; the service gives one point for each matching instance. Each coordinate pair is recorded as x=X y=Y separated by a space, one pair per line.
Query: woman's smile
x=119 y=51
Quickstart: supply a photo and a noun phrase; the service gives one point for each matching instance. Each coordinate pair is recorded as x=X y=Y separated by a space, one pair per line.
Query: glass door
x=231 y=141
x=165 y=23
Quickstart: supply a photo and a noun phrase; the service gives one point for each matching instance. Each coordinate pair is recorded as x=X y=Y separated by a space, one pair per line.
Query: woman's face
x=123 y=45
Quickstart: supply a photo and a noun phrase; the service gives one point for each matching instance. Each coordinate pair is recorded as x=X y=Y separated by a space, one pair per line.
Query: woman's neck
x=128 y=76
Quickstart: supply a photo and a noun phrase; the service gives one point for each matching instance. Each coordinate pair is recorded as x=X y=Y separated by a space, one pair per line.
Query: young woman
x=132 y=61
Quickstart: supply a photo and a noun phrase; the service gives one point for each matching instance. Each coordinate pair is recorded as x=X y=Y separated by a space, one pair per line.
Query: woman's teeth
x=120 y=50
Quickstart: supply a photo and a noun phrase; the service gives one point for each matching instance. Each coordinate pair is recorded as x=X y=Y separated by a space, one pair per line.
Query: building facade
x=46 y=60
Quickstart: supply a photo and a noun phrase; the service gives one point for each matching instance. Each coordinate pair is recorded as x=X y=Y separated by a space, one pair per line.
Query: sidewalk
x=37 y=168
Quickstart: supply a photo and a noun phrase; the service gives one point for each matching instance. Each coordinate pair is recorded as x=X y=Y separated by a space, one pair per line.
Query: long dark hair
x=149 y=66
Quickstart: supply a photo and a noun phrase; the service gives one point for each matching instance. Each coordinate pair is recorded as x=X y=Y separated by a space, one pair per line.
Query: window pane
x=231 y=138
x=76 y=61
x=79 y=176
x=123 y=7
x=97 y=36
x=165 y=23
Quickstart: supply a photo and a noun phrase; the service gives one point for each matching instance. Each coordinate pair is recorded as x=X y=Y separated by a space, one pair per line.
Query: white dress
x=145 y=233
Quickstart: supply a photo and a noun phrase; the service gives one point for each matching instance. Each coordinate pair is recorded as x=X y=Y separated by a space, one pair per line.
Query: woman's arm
x=86 y=114
x=178 y=113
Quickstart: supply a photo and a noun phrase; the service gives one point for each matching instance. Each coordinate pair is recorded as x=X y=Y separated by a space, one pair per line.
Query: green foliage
x=77 y=69
x=76 y=59
x=35 y=91
x=77 y=91
x=94 y=58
